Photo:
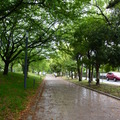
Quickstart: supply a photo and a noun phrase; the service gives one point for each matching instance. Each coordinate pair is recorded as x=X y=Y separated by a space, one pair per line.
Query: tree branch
x=12 y=10
x=18 y=4
x=105 y=17
x=113 y=3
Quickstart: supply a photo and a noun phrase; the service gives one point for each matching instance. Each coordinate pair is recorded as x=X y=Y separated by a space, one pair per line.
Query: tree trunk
x=69 y=73
x=23 y=68
x=89 y=75
x=27 y=68
x=118 y=69
x=89 y=68
x=81 y=72
x=92 y=73
x=32 y=70
x=86 y=73
x=97 y=74
x=5 y=72
x=78 y=68
x=38 y=72
x=11 y=67
x=72 y=75
x=75 y=74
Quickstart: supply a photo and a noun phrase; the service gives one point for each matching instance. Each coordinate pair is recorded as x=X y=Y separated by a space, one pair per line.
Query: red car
x=113 y=76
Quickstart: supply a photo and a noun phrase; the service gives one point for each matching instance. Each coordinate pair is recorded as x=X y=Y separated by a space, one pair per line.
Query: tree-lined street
x=62 y=100
x=68 y=38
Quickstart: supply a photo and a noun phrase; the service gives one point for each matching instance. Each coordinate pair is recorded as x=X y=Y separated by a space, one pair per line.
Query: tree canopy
x=87 y=31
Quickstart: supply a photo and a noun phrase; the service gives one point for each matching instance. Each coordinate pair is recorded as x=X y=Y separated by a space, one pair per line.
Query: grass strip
x=103 y=87
x=13 y=97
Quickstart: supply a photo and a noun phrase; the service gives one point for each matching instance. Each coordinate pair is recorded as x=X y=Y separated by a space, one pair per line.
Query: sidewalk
x=62 y=100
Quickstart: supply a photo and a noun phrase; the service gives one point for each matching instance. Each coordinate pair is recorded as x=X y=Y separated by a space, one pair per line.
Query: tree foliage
x=72 y=32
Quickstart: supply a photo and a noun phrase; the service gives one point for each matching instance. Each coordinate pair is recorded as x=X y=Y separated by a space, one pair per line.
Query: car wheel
x=114 y=79
x=107 y=79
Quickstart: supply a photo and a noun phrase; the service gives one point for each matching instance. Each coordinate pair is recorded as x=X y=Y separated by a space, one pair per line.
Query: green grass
x=13 y=96
x=110 y=89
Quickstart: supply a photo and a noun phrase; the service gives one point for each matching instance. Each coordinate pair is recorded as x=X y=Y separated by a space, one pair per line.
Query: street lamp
x=25 y=69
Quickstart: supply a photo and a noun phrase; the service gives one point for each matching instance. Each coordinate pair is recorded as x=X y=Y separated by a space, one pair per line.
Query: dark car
x=113 y=76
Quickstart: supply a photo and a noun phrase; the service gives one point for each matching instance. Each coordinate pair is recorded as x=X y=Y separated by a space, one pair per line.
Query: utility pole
x=25 y=69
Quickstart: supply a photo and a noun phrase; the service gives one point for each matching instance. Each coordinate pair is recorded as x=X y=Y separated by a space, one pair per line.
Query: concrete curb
x=100 y=92
x=31 y=113
x=109 y=95
x=40 y=91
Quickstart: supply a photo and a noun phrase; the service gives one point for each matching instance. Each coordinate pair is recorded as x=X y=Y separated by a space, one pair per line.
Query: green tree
x=40 y=66
x=13 y=35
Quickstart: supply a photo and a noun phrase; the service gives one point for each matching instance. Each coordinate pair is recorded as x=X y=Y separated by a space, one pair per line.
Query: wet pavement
x=62 y=100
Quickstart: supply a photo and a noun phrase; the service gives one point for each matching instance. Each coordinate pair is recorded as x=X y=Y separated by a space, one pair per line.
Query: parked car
x=113 y=76
x=103 y=75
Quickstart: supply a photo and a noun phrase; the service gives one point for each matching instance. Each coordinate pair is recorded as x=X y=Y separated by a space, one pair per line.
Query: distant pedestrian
x=55 y=74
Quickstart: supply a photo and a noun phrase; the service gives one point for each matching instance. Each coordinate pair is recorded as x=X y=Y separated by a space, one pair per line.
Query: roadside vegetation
x=66 y=37
x=75 y=34
x=106 y=88
x=13 y=97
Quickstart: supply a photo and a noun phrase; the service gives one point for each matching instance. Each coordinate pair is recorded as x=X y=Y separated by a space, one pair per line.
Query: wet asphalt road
x=105 y=81
x=62 y=100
